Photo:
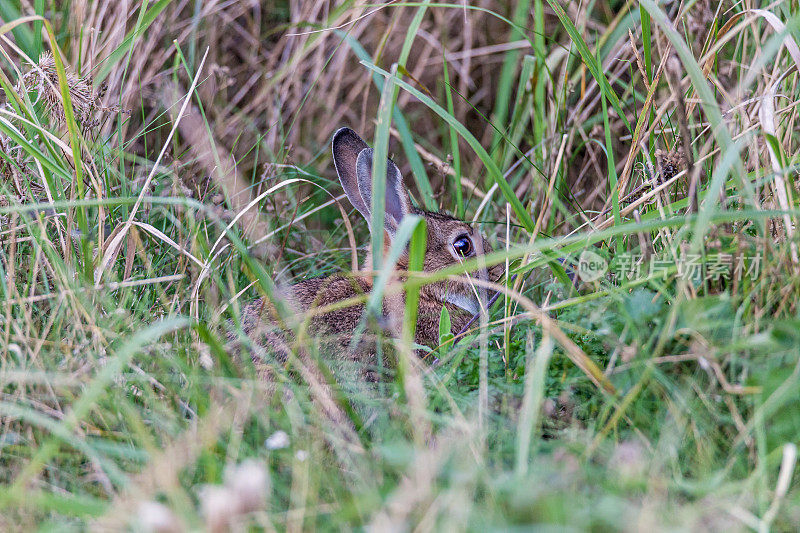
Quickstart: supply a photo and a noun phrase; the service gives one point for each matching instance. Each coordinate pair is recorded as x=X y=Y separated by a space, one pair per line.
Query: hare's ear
x=346 y=146
x=398 y=203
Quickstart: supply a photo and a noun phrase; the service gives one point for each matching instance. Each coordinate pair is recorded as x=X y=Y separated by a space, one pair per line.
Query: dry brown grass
x=279 y=81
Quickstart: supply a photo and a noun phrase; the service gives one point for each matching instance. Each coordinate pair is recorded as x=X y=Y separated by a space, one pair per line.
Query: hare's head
x=450 y=241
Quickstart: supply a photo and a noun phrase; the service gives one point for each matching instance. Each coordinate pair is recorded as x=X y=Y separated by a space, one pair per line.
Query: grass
x=190 y=172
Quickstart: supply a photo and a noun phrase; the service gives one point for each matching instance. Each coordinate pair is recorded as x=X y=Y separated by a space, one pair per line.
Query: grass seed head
x=42 y=79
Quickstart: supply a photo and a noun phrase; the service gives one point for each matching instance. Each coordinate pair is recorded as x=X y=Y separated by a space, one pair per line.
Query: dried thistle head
x=42 y=78
x=41 y=81
x=669 y=162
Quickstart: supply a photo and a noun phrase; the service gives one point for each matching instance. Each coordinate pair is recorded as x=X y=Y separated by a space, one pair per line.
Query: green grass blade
x=399 y=243
x=612 y=167
x=535 y=376
x=460 y=208
x=23 y=35
x=379 y=161
x=416 y=260
x=522 y=110
x=508 y=71
x=589 y=60
x=76 y=143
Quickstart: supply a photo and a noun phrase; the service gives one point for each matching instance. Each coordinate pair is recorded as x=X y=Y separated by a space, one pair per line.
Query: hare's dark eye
x=463 y=246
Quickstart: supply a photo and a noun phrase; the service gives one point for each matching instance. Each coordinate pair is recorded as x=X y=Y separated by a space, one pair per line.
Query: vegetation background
x=190 y=171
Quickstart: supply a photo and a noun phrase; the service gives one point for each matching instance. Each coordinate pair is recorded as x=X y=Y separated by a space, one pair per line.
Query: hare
x=449 y=241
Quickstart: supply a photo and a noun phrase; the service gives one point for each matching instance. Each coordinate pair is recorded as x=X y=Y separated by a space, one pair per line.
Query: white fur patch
x=464 y=302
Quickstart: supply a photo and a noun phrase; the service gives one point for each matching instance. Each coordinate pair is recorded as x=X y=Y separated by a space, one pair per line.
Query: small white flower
x=301 y=455
x=157 y=518
x=250 y=483
x=244 y=491
x=206 y=361
x=219 y=506
x=277 y=440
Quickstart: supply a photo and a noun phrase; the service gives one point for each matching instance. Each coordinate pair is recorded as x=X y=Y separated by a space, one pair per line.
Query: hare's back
x=322 y=292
